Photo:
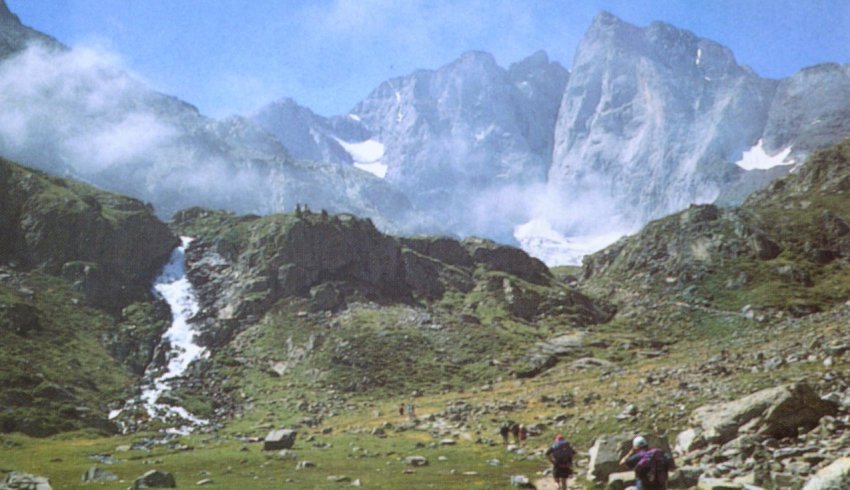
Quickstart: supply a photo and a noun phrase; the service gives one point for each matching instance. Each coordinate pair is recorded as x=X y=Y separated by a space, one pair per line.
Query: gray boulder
x=775 y=412
x=607 y=450
x=96 y=474
x=279 y=439
x=24 y=481
x=155 y=479
x=836 y=476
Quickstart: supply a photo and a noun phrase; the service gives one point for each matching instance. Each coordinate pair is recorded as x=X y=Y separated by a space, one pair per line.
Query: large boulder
x=24 y=481
x=279 y=439
x=776 y=412
x=155 y=479
x=607 y=450
x=836 y=476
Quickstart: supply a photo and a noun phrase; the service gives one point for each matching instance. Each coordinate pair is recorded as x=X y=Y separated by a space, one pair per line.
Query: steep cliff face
x=810 y=109
x=455 y=136
x=109 y=246
x=651 y=118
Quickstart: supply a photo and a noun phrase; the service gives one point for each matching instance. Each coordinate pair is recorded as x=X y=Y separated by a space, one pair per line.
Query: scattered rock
x=836 y=476
x=25 y=481
x=96 y=474
x=521 y=481
x=416 y=461
x=155 y=479
x=279 y=439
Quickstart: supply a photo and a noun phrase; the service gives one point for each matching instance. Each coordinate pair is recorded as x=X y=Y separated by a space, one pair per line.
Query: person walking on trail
x=504 y=430
x=515 y=432
x=561 y=454
x=652 y=466
x=523 y=434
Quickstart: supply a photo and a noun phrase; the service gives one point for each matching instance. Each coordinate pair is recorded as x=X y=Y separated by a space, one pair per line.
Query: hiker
x=523 y=434
x=515 y=432
x=411 y=411
x=401 y=409
x=560 y=454
x=651 y=465
x=503 y=431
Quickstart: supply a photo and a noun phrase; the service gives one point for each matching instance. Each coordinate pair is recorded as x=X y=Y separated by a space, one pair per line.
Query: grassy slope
x=65 y=350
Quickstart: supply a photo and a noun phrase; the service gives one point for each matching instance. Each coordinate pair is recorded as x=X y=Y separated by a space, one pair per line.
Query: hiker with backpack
x=561 y=454
x=651 y=466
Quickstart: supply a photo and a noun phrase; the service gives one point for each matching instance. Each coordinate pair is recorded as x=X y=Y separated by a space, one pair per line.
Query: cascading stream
x=174 y=287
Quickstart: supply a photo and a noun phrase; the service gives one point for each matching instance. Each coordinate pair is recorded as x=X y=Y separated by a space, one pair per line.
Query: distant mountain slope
x=456 y=140
x=76 y=112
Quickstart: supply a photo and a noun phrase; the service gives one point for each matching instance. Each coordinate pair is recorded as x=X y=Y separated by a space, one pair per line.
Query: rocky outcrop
x=241 y=266
x=779 y=412
x=110 y=247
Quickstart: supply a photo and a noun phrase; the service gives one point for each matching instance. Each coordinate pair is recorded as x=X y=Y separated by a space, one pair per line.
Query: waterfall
x=174 y=288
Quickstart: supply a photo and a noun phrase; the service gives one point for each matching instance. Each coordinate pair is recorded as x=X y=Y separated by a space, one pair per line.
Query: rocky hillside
x=785 y=251
x=76 y=313
x=327 y=301
x=109 y=246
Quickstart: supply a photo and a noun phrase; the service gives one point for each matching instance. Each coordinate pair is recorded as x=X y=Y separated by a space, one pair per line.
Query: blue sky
x=232 y=56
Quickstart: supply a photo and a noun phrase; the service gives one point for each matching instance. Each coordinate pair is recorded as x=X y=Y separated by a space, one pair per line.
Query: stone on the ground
x=279 y=439
x=155 y=479
x=833 y=477
x=96 y=474
x=339 y=478
x=684 y=477
x=718 y=484
x=521 y=481
x=607 y=450
x=205 y=481
x=18 y=480
x=416 y=461
x=620 y=480
x=303 y=465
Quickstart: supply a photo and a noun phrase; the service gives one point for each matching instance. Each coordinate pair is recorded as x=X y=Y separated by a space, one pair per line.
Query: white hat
x=640 y=442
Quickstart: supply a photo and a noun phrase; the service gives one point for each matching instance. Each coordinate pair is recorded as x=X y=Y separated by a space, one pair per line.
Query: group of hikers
x=651 y=466
x=519 y=432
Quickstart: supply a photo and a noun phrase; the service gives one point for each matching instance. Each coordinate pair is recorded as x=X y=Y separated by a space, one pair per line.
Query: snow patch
x=354 y=117
x=699 y=56
x=757 y=159
x=367 y=156
x=377 y=169
x=539 y=239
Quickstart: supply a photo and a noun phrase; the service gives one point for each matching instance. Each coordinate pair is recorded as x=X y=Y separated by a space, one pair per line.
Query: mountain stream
x=174 y=287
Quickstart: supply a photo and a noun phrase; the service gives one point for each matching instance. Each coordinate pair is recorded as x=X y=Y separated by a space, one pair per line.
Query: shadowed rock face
x=110 y=247
x=241 y=266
